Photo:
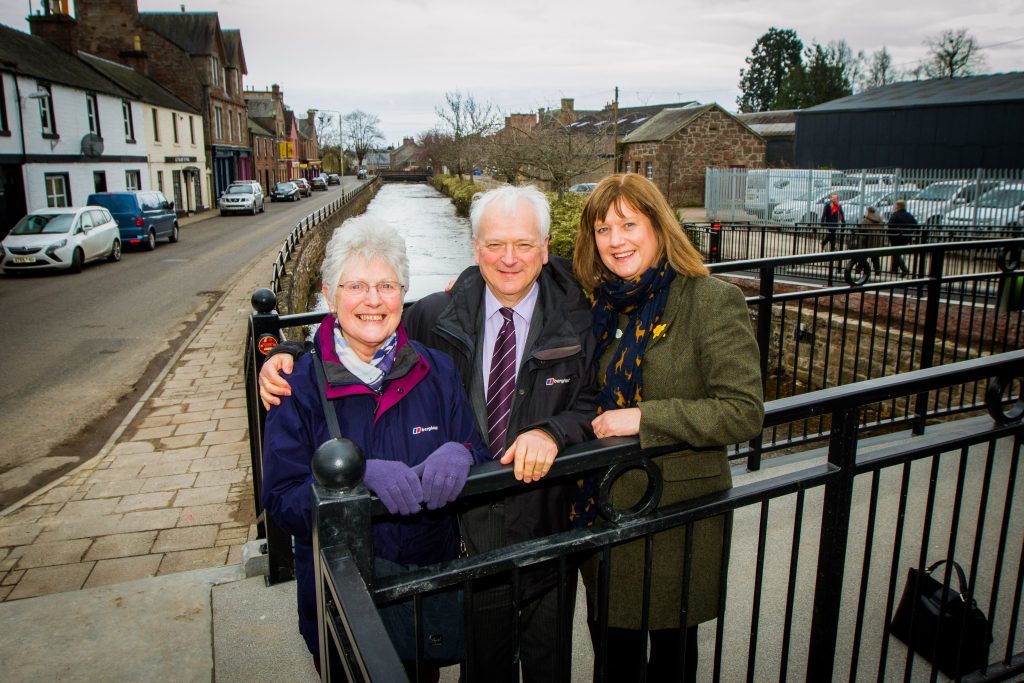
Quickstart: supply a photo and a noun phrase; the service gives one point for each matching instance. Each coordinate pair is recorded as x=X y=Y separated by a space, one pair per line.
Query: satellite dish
x=92 y=145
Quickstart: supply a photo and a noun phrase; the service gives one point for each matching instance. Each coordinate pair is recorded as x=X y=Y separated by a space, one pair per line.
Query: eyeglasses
x=357 y=289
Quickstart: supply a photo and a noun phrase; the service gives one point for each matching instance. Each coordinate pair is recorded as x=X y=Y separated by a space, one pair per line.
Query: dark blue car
x=142 y=216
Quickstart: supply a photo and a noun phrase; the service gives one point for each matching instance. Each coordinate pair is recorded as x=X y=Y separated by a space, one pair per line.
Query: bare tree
x=880 y=70
x=508 y=152
x=853 y=64
x=559 y=154
x=465 y=121
x=329 y=137
x=435 y=149
x=361 y=133
x=952 y=54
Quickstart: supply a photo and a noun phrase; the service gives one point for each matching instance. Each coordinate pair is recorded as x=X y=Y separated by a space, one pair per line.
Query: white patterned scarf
x=371 y=374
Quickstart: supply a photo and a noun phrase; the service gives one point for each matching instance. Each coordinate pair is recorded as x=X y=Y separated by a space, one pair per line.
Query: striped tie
x=501 y=384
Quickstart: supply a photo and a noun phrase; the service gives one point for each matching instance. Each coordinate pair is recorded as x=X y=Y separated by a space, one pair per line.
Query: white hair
x=368 y=238
x=508 y=198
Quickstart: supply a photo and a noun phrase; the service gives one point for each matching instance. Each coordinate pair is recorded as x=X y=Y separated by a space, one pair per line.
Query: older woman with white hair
x=399 y=401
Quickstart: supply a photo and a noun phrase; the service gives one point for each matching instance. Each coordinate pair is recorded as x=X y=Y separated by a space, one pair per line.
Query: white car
x=61 y=238
x=807 y=207
x=241 y=198
x=997 y=208
x=938 y=199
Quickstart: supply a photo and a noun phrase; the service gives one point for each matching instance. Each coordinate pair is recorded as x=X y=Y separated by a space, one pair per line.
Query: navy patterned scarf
x=643 y=302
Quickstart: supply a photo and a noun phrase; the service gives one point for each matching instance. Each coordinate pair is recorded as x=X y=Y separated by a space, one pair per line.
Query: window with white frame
x=92 y=110
x=214 y=71
x=58 y=191
x=160 y=180
x=156 y=125
x=129 y=123
x=133 y=180
x=174 y=126
x=192 y=128
x=649 y=170
x=46 y=119
x=241 y=131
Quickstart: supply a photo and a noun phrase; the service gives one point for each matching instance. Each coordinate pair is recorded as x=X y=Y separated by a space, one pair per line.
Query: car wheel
x=77 y=259
x=115 y=252
x=174 y=236
x=254 y=211
x=151 y=240
x=263 y=207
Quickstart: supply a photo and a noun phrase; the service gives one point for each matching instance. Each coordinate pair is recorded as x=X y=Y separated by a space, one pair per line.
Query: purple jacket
x=422 y=406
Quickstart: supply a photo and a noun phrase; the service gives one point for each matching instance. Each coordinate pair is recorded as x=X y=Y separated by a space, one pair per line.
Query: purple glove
x=444 y=474
x=395 y=484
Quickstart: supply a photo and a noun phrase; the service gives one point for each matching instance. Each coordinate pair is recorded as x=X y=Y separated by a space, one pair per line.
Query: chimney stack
x=59 y=29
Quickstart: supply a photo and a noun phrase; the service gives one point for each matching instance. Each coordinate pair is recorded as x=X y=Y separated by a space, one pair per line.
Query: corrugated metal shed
x=1007 y=87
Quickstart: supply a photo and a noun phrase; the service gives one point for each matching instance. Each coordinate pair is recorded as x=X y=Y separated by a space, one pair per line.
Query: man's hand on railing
x=272 y=384
x=533 y=452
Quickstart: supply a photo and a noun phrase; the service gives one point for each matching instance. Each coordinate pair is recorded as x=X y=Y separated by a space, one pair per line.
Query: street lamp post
x=341 y=149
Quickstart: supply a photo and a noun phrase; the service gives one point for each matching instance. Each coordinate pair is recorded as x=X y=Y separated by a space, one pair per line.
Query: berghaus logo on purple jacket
x=420 y=430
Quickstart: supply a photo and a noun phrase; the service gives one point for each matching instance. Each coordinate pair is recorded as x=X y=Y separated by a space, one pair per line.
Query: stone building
x=675 y=146
x=264 y=155
x=309 y=147
x=188 y=53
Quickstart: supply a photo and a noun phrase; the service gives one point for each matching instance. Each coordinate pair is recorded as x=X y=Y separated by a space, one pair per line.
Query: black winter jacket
x=555 y=388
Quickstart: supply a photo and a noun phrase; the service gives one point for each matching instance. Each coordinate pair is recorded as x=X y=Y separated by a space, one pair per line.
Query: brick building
x=309 y=148
x=266 y=108
x=675 y=146
x=264 y=155
x=188 y=53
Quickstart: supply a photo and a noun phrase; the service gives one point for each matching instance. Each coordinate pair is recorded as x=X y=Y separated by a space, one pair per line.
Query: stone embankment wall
x=302 y=282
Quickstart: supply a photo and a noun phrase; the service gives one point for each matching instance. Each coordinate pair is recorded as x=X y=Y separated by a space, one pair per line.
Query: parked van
x=142 y=217
x=766 y=188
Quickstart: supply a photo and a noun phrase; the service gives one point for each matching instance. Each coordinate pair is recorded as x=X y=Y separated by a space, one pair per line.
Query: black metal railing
x=826 y=319
x=817 y=552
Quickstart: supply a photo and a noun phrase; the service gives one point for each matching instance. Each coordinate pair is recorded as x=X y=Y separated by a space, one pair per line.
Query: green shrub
x=460 y=191
x=565 y=220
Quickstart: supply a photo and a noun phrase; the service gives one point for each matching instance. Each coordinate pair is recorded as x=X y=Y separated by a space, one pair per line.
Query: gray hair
x=366 y=237
x=508 y=198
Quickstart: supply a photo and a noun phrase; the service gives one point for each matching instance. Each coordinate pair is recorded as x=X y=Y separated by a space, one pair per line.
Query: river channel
x=439 y=243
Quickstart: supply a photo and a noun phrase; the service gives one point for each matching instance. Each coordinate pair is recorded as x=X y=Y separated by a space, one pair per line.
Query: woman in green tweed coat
x=678 y=363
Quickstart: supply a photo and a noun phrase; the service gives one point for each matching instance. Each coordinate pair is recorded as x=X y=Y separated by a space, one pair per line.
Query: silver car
x=61 y=238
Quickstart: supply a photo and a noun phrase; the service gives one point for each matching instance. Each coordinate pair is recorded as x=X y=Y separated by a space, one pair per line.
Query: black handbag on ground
x=442 y=614
x=942 y=625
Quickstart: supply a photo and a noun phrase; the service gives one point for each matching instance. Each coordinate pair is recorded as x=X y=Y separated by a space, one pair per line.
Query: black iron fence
x=818 y=554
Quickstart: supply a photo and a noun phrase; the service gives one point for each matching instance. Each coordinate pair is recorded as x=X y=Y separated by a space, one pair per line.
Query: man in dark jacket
x=902 y=229
x=552 y=403
x=831 y=217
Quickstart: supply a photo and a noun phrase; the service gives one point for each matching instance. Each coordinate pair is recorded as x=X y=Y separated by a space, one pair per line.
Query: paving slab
x=148 y=630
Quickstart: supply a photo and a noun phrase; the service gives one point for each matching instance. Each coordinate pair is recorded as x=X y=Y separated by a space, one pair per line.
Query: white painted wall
x=72 y=123
x=159 y=150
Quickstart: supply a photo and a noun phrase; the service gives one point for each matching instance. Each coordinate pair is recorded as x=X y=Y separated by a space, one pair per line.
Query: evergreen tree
x=821 y=78
x=774 y=56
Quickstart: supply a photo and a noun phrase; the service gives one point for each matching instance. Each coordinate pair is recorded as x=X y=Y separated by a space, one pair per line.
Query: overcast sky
x=397 y=58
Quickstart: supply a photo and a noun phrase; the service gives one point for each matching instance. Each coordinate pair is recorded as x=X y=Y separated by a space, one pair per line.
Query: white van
x=766 y=188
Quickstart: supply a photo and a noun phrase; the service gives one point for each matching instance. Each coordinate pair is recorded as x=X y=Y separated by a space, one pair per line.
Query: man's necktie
x=501 y=384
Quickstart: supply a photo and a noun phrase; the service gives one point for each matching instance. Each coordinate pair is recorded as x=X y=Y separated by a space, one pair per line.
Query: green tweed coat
x=702 y=386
